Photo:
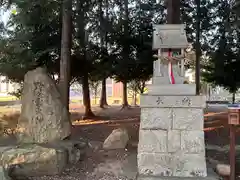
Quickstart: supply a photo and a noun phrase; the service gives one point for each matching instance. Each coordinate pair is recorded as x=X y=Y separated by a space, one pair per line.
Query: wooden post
x=233 y=120
x=232 y=151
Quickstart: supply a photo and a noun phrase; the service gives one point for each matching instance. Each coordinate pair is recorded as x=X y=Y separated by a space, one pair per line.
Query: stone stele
x=43 y=118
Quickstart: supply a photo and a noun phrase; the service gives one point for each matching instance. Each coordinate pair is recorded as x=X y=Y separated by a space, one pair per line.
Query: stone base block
x=211 y=175
x=140 y=177
x=168 y=164
x=172 y=89
x=173 y=101
x=176 y=119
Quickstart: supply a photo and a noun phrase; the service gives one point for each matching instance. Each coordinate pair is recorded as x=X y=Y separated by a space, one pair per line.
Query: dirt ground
x=121 y=164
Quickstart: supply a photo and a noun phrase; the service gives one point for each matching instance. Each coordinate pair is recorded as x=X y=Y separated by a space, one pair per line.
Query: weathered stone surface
x=4 y=174
x=143 y=177
x=155 y=164
x=163 y=80
x=72 y=148
x=187 y=119
x=43 y=116
x=34 y=160
x=223 y=170
x=118 y=139
x=167 y=36
x=160 y=101
x=189 y=165
x=156 y=118
x=179 y=164
x=174 y=141
x=192 y=142
x=152 y=141
x=171 y=89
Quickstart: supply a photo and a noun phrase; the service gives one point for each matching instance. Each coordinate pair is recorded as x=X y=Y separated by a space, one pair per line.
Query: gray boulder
x=33 y=160
x=43 y=117
x=118 y=139
x=223 y=170
x=4 y=174
x=28 y=160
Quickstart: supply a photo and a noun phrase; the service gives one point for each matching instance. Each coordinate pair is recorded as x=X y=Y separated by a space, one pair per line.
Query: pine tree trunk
x=135 y=98
x=66 y=52
x=103 y=100
x=125 y=51
x=86 y=98
x=173 y=11
x=233 y=97
x=198 y=48
x=103 y=37
x=95 y=95
x=125 y=100
x=143 y=85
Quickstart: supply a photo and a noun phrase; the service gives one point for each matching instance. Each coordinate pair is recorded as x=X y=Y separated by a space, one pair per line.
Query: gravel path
x=101 y=165
x=121 y=164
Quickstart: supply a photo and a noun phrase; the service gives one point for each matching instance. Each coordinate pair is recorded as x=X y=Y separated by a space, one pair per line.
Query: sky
x=4 y=16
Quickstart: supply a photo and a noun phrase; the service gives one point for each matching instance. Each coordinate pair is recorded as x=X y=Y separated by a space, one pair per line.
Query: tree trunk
x=233 y=97
x=125 y=100
x=66 y=51
x=103 y=100
x=173 y=11
x=143 y=85
x=86 y=98
x=95 y=94
x=82 y=38
x=135 y=98
x=125 y=51
x=198 y=49
x=103 y=37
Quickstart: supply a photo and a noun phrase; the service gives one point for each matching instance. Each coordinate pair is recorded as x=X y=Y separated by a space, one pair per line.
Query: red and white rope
x=170 y=69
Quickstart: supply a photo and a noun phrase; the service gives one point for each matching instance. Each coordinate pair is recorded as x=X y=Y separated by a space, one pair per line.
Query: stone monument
x=43 y=117
x=44 y=146
x=171 y=138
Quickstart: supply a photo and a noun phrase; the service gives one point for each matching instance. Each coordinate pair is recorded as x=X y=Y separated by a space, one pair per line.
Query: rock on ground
x=33 y=160
x=118 y=139
x=27 y=160
x=43 y=116
x=223 y=169
x=4 y=174
x=101 y=165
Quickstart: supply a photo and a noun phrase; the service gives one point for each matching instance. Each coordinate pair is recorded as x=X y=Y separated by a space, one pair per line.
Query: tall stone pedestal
x=171 y=137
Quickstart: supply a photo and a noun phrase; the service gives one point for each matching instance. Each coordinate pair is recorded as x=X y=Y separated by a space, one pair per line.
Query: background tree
x=136 y=87
x=66 y=46
x=109 y=39
x=224 y=64
x=95 y=89
x=33 y=41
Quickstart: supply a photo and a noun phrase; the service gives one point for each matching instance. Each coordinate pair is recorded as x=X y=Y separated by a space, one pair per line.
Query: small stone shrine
x=171 y=138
